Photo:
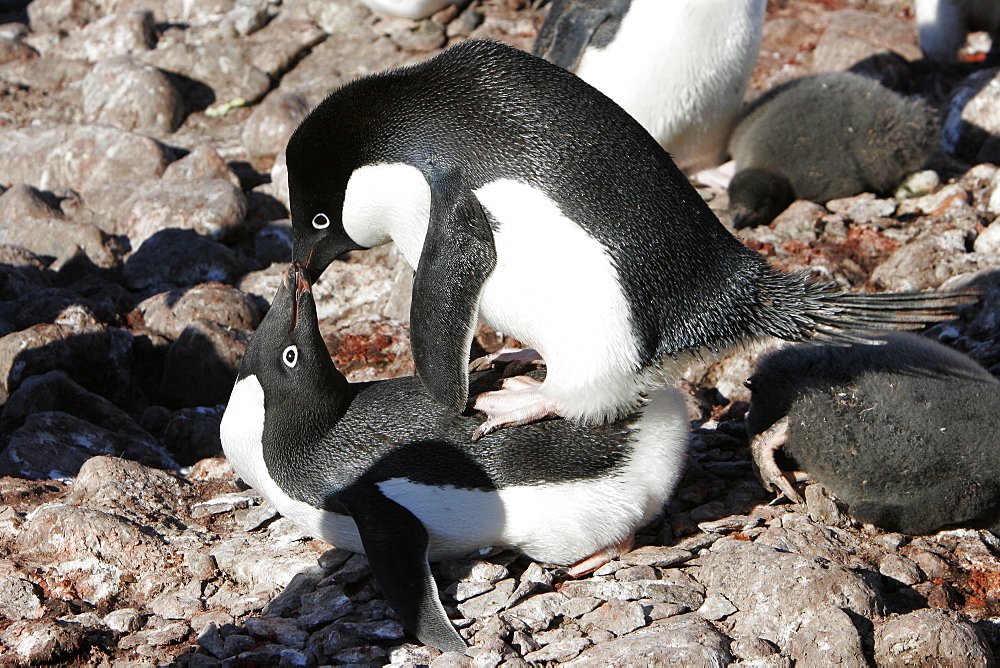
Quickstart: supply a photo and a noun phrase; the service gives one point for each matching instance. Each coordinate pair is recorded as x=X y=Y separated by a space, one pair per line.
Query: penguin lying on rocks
x=907 y=434
x=680 y=68
x=944 y=25
x=825 y=137
x=524 y=197
x=382 y=468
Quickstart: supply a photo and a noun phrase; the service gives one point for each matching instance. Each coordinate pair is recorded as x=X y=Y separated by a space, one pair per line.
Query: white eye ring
x=321 y=221
x=290 y=356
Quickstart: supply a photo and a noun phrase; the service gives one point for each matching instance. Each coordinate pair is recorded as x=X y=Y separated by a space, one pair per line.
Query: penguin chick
x=525 y=198
x=680 y=68
x=907 y=434
x=827 y=136
x=410 y=9
x=384 y=469
x=943 y=25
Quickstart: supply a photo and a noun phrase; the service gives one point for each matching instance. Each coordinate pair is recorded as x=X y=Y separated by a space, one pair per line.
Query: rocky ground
x=143 y=227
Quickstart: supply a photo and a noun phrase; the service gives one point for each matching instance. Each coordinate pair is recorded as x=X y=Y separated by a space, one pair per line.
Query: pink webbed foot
x=763 y=448
x=518 y=401
x=599 y=558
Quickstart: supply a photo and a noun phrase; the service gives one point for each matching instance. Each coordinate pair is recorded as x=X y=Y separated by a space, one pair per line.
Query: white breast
x=680 y=68
x=241 y=431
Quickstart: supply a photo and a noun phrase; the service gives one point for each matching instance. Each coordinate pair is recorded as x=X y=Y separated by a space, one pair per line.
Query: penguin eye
x=321 y=221
x=290 y=356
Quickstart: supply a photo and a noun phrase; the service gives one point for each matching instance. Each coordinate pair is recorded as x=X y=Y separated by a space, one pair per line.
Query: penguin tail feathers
x=820 y=313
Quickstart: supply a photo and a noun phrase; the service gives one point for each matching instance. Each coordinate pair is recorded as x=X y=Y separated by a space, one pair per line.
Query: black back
x=482 y=111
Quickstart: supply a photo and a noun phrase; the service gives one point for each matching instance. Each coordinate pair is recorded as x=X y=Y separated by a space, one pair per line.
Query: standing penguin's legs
x=518 y=401
x=762 y=447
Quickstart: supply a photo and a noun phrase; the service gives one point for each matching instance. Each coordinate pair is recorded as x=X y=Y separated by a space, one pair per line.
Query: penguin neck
x=388 y=201
x=296 y=425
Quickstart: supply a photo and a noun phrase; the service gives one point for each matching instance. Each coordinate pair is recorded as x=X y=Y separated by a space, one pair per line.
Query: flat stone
x=687 y=640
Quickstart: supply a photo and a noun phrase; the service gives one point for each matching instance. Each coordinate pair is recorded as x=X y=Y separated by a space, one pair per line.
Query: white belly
x=680 y=68
x=554 y=287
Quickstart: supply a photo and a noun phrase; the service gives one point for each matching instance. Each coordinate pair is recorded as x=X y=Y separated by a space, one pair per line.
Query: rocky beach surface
x=143 y=229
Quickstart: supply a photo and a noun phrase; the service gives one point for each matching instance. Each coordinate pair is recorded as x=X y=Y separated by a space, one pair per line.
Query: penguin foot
x=771 y=477
x=517 y=361
x=601 y=557
x=518 y=401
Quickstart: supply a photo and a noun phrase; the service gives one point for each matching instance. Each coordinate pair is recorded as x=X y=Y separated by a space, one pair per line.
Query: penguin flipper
x=569 y=28
x=457 y=258
x=395 y=543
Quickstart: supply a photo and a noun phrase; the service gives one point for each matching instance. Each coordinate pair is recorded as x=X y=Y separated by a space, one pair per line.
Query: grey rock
x=988 y=241
x=56 y=445
x=78 y=157
x=225 y=67
x=170 y=313
x=277 y=629
x=131 y=95
x=617 y=617
x=110 y=36
x=561 y=651
x=126 y=488
x=173 y=258
x=716 y=607
x=930 y=260
x=213 y=208
x=202 y=163
x=325 y=605
x=537 y=612
x=823 y=507
x=20 y=598
x=215 y=350
x=36 y=642
x=371 y=348
x=124 y=620
x=929 y=636
x=655 y=555
x=900 y=568
x=825 y=638
x=269 y=562
x=57 y=391
x=776 y=591
x=96 y=357
x=192 y=434
x=673 y=587
x=864 y=208
x=14 y=49
x=272 y=122
x=50 y=15
x=489 y=603
x=684 y=640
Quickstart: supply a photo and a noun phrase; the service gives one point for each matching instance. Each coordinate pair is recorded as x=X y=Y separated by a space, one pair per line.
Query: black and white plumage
x=384 y=469
x=680 y=68
x=825 y=137
x=906 y=433
x=943 y=25
x=525 y=198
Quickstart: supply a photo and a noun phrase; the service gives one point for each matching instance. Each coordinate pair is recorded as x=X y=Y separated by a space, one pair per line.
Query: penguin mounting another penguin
x=384 y=469
x=679 y=67
x=825 y=137
x=524 y=197
x=907 y=434
x=943 y=25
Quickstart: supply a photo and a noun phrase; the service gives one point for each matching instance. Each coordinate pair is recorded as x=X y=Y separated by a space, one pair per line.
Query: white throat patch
x=388 y=202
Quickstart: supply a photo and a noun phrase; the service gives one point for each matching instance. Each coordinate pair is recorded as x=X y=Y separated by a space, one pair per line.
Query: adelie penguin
x=907 y=434
x=679 y=67
x=825 y=137
x=384 y=469
x=525 y=198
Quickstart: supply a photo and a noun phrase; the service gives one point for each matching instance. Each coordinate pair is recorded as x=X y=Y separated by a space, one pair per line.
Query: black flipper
x=457 y=258
x=395 y=543
x=570 y=27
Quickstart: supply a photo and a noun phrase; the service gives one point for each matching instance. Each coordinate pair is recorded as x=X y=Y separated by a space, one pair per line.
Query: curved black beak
x=296 y=281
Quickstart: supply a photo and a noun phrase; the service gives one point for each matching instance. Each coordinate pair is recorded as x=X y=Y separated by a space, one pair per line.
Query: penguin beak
x=297 y=282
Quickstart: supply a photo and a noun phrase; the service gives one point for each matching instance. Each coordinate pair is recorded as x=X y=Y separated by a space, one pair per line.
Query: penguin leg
x=395 y=543
x=516 y=361
x=457 y=257
x=601 y=557
x=771 y=477
x=518 y=401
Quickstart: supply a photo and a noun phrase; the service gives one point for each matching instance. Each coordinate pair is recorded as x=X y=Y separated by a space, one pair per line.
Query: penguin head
x=290 y=360
x=757 y=196
x=316 y=195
